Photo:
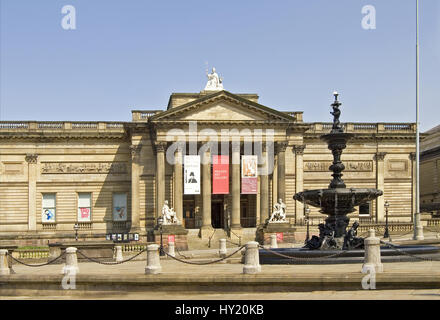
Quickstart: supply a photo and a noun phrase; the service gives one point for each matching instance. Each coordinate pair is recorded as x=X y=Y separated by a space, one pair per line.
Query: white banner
x=191 y=175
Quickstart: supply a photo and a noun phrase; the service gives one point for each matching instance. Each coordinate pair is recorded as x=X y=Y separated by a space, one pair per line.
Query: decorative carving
x=350 y=166
x=160 y=146
x=279 y=214
x=412 y=156
x=299 y=150
x=135 y=149
x=380 y=156
x=84 y=167
x=31 y=158
x=281 y=146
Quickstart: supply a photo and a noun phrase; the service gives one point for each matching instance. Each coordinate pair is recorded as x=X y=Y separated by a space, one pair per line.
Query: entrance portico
x=221 y=124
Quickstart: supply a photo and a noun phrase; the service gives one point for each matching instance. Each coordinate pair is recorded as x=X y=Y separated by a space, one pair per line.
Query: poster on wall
x=84 y=207
x=191 y=175
x=48 y=213
x=220 y=174
x=249 y=174
x=120 y=207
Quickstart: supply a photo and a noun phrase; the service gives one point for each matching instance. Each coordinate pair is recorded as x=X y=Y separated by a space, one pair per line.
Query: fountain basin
x=339 y=201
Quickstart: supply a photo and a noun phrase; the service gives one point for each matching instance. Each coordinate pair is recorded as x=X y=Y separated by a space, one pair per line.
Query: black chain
x=111 y=263
x=204 y=263
x=38 y=265
x=235 y=244
x=310 y=258
x=406 y=253
x=185 y=257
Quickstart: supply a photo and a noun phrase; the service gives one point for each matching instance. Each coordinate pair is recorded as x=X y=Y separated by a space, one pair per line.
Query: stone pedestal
x=265 y=232
x=179 y=233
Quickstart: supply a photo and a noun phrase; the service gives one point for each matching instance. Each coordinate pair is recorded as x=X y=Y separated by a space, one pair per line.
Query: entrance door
x=217 y=214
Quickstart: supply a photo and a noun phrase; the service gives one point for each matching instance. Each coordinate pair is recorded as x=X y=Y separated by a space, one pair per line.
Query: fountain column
x=299 y=181
x=380 y=184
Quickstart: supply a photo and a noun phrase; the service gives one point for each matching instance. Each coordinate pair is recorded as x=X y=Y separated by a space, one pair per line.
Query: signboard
x=279 y=237
x=172 y=238
x=249 y=174
x=191 y=176
x=220 y=174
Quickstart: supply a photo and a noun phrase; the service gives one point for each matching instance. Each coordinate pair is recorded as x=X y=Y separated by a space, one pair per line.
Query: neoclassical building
x=114 y=177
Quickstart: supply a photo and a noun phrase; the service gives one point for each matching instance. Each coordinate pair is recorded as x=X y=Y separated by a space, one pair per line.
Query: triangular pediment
x=222 y=106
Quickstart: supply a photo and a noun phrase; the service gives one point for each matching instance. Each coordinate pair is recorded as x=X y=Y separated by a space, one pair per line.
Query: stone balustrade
x=351 y=127
x=34 y=126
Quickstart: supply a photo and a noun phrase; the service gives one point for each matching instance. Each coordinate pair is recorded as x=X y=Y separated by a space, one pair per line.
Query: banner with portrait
x=191 y=174
x=249 y=174
x=220 y=174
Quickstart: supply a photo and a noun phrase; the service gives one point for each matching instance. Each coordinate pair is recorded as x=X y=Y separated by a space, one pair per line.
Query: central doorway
x=217 y=212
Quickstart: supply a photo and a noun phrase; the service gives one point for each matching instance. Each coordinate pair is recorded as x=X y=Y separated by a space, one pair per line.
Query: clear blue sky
x=127 y=55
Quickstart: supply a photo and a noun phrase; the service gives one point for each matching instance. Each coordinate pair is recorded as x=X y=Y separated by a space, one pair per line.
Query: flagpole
x=418 y=228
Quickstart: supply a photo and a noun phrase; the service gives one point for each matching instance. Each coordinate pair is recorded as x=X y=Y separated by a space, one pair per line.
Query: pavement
x=223 y=281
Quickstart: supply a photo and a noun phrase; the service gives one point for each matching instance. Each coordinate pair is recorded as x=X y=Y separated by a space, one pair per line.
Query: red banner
x=171 y=238
x=220 y=174
x=279 y=237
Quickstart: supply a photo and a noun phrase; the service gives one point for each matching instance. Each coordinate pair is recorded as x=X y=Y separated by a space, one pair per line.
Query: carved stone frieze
x=350 y=166
x=84 y=167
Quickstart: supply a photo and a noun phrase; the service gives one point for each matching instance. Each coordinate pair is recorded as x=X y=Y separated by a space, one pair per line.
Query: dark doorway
x=217 y=214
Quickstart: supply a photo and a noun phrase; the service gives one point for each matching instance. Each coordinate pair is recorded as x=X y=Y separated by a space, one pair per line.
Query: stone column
x=178 y=185
x=380 y=184
x=32 y=159
x=160 y=177
x=299 y=181
x=235 y=219
x=264 y=188
x=135 y=179
x=281 y=154
x=206 y=229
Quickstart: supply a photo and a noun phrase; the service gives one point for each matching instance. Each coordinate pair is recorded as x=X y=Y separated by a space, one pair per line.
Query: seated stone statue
x=279 y=213
x=169 y=215
x=351 y=241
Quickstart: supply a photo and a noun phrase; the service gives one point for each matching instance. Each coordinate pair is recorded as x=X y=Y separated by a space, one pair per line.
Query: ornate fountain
x=337 y=201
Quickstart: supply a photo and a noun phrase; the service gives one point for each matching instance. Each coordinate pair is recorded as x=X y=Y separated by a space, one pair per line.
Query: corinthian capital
x=299 y=149
x=281 y=146
x=31 y=158
x=135 y=149
x=160 y=146
x=380 y=156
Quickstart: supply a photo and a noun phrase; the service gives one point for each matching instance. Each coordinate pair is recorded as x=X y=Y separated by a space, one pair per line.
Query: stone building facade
x=429 y=171
x=89 y=172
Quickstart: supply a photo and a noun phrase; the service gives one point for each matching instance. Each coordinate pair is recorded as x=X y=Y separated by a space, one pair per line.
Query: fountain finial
x=336 y=114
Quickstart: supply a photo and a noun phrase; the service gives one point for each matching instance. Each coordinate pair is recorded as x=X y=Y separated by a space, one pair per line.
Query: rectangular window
x=84 y=207
x=119 y=207
x=48 y=208
x=364 y=209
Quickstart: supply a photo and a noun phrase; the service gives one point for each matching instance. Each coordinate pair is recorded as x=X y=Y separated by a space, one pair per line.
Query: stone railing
x=56 y=126
x=144 y=115
x=133 y=247
x=392 y=227
x=31 y=253
x=352 y=127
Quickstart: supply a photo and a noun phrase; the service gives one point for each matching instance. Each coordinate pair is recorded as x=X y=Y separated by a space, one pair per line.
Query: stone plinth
x=95 y=250
x=265 y=232
x=179 y=232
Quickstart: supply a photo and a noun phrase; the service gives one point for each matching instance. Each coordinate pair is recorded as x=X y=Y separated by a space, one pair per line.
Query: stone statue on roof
x=215 y=83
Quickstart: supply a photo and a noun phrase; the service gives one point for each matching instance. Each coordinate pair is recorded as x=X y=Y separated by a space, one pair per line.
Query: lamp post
x=387 y=233
x=76 y=228
x=307 y=212
x=160 y=223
